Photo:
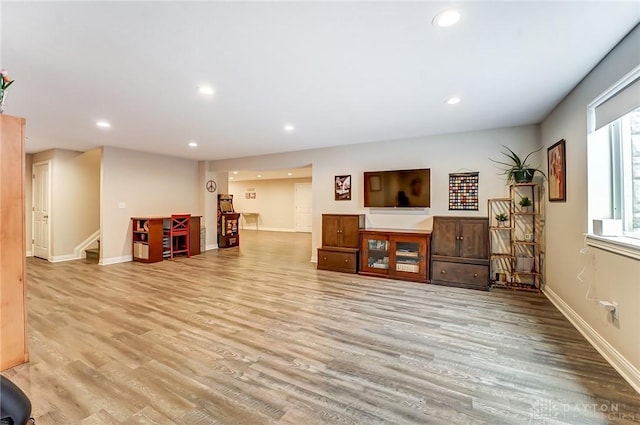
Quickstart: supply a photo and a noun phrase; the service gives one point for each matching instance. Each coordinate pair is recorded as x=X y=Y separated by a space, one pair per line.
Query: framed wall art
x=463 y=191
x=557 y=172
x=343 y=188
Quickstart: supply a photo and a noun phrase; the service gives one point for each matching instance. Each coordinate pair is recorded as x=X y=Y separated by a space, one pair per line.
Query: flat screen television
x=397 y=189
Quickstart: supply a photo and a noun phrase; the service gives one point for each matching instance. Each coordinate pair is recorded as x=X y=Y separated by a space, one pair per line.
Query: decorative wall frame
x=343 y=188
x=463 y=191
x=557 y=172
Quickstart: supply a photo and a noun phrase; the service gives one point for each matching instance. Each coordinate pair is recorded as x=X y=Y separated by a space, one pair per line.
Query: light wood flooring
x=256 y=335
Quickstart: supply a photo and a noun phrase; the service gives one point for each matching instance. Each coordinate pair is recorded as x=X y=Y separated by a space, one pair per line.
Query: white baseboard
x=212 y=246
x=29 y=254
x=628 y=371
x=60 y=258
x=270 y=229
x=115 y=260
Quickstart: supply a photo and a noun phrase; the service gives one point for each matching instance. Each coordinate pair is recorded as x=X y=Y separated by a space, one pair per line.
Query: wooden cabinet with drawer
x=338 y=259
x=460 y=252
x=340 y=242
x=471 y=275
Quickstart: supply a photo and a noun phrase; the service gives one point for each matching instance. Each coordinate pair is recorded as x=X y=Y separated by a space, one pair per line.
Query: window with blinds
x=614 y=154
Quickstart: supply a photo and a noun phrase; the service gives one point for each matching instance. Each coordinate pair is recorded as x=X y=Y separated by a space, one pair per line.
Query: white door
x=41 y=208
x=303 y=207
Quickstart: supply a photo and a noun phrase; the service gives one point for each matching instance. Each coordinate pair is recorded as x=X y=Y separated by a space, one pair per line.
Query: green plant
x=525 y=201
x=502 y=217
x=517 y=169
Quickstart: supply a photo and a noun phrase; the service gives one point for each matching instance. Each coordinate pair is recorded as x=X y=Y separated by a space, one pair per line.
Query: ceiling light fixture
x=259 y=175
x=235 y=172
x=205 y=90
x=193 y=144
x=230 y=178
x=289 y=174
x=446 y=18
x=103 y=124
x=453 y=100
x=288 y=128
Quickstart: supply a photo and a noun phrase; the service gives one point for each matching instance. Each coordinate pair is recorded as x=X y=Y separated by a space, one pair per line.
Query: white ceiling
x=340 y=72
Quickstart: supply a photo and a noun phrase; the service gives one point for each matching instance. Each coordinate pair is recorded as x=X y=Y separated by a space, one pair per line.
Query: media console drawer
x=338 y=259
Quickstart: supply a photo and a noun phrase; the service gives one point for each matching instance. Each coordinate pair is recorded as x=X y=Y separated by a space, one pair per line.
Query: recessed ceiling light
x=230 y=178
x=259 y=175
x=208 y=90
x=235 y=172
x=193 y=144
x=288 y=128
x=453 y=100
x=446 y=18
x=289 y=174
x=103 y=124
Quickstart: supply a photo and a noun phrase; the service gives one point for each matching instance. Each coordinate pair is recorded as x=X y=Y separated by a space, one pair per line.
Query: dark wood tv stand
x=397 y=254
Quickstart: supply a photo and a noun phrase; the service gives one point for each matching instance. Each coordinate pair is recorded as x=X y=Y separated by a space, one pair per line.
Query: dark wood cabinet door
x=349 y=231
x=409 y=257
x=444 y=240
x=330 y=227
x=473 y=235
x=342 y=230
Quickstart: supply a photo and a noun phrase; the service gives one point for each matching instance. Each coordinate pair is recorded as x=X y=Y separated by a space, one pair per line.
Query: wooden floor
x=256 y=335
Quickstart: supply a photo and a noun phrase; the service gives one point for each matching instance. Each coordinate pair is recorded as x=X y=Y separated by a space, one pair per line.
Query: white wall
x=146 y=185
x=75 y=199
x=613 y=277
x=443 y=154
x=274 y=201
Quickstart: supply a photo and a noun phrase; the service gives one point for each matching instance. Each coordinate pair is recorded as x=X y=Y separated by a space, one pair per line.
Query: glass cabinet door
x=377 y=254
x=407 y=255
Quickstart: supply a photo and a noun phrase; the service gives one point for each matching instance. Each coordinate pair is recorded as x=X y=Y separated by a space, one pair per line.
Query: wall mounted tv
x=397 y=189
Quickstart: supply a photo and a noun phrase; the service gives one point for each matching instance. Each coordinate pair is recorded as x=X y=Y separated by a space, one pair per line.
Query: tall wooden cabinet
x=340 y=242
x=13 y=312
x=460 y=252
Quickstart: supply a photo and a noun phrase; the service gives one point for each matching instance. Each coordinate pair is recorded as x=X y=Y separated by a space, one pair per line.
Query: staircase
x=93 y=254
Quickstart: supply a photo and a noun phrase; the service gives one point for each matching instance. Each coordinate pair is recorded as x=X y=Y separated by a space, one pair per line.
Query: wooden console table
x=148 y=237
x=254 y=215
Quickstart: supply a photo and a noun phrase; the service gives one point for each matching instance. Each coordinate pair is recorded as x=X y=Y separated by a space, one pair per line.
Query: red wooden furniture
x=179 y=235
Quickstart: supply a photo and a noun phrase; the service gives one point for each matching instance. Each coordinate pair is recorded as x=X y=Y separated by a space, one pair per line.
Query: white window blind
x=624 y=101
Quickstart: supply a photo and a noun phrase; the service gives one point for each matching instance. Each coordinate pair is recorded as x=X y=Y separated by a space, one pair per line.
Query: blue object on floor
x=15 y=407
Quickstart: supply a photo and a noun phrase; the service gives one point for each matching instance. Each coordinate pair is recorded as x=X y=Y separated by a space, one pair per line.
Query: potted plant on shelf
x=501 y=219
x=525 y=203
x=517 y=169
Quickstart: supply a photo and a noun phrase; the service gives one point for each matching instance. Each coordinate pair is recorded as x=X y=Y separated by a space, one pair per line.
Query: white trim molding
x=115 y=260
x=628 y=371
x=621 y=245
x=60 y=258
x=79 y=250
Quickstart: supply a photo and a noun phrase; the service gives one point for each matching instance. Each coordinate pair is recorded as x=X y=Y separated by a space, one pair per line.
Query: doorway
x=41 y=209
x=303 y=206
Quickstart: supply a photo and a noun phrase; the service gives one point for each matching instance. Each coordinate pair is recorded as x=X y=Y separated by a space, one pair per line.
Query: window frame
x=618 y=172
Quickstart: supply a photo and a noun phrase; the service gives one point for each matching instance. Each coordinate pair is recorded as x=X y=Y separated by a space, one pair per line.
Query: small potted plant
x=516 y=169
x=502 y=219
x=525 y=203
